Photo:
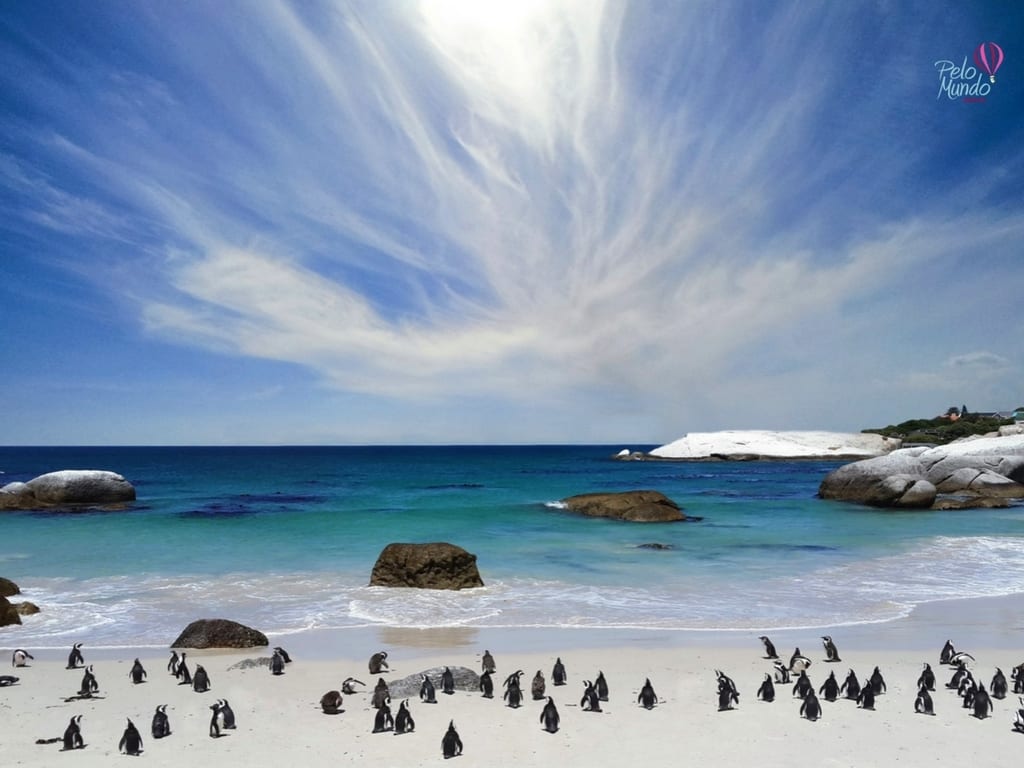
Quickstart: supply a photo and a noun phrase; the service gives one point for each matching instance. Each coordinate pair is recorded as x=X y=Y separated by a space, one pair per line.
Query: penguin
x=927 y=678
x=1017 y=675
x=558 y=676
x=866 y=697
x=381 y=694
x=447 y=681
x=378 y=662
x=982 y=703
x=73 y=733
x=284 y=654
x=960 y=657
x=403 y=720
x=647 y=697
x=958 y=676
x=382 y=720
x=227 y=715
x=781 y=673
x=201 y=680
x=75 y=659
x=767 y=690
x=537 y=686
x=798 y=662
x=348 y=685
x=769 y=648
x=215 y=720
x=590 y=702
x=89 y=684
x=427 y=692
x=923 y=703
x=137 y=673
x=487 y=663
x=20 y=657
x=330 y=703
x=947 y=652
x=131 y=740
x=277 y=664
x=601 y=686
x=6 y=680
x=999 y=685
x=831 y=652
x=877 y=682
x=851 y=686
x=172 y=663
x=727 y=693
x=161 y=726
x=487 y=685
x=549 y=716
x=967 y=691
x=451 y=744
x=182 y=671
x=803 y=686
x=811 y=708
x=1018 y=720
x=513 y=692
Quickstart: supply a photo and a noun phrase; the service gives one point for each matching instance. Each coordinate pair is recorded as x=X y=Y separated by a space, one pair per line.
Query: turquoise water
x=285 y=539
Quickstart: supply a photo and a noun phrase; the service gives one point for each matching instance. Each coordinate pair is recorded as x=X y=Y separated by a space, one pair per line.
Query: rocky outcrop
x=219 y=633
x=437 y=565
x=8 y=588
x=8 y=613
x=752 y=445
x=70 y=488
x=974 y=472
x=633 y=506
x=25 y=608
x=465 y=680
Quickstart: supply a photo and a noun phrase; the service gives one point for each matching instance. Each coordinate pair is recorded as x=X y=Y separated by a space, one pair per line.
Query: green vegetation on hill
x=941 y=430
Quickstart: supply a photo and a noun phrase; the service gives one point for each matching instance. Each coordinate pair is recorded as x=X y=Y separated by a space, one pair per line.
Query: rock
x=8 y=588
x=437 y=565
x=219 y=633
x=465 y=680
x=263 y=661
x=68 y=488
x=633 y=506
x=654 y=545
x=26 y=608
x=8 y=613
x=748 y=445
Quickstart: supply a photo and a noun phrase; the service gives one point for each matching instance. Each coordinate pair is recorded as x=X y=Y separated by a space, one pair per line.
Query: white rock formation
x=752 y=444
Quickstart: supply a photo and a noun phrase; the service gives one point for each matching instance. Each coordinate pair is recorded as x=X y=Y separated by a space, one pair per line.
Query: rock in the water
x=633 y=506
x=437 y=565
x=26 y=608
x=753 y=444
x=68 y=488
x=219 y=633
x=465 y=680
x=8 y=613
x=8 y=588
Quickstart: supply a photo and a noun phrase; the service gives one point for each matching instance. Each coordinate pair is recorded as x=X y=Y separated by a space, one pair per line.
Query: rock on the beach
x=8 y=613
x=8 y=588
x=752 y=444
x=219 y=633
x=632 y=506
x=437 y=565
x=68 y=488
x=465 y=680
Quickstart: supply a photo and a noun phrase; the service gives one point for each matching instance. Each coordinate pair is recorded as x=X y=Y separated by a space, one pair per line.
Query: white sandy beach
x=279 y=720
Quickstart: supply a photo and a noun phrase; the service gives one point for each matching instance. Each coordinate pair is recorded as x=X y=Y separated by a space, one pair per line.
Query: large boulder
x=219 y=633
x=753 y=444
x=8 y=588
x=633 y=506
x=8 y=613
x=437 y=565
x=465 y=680
x=68 y=488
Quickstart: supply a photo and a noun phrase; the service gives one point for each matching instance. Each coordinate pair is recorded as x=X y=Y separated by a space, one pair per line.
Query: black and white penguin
x=6 y=680
x=73 y=734
x=227 y=715
x=866 y=697
x=137 y=672
x=277 y=664
x=161 y=726
x=877 y=682
x=960 y=657
x=803 y=686
x=851 y=686
x=727 y=692
x=558 y=676
x=831 y=652
x=513 y=690
x=590 y=702
x=131 y=740
x=1018 y=719
x=215 y=720
x=172 y=663
x=999 y=687
x=20 y=657
x=982 y=703
x=330 y=703
x=767 y=690
x=378 y=662
x=549 y=716
x=383 y=720
x=798 y=662
x=182 y=672
x=403 y=719
x=830 y=688
x=447 y=681
x=284 y=654
x=487 y=685
x=647 y=697
x=769 y=648
x=487 y=663
x=1017 y=675
x=451 y=744
x=958 y=677
x=201 y=680
x=927 y=678
x=923 y=704
x=601 y=686
x=75 y=658
x=428 y=695
x=782 y=676
x=538 y=686
x=811 y=708
x=89 y=684
x=947 y=652
x=348 y=685
x=381 y=694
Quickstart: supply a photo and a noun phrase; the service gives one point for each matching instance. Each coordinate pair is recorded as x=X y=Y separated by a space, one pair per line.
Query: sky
x=471 y=221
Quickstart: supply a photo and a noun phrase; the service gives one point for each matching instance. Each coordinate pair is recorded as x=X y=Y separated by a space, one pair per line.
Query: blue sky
x=470 y=221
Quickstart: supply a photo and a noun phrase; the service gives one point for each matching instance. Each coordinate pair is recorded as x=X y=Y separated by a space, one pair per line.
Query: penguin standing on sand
x=487 y=685
x=727 y=692
x=769 y=648
x=277 y=664
x=830 y=688
x=89 y=684
x=182 y=672
x=590 y=702
x=20 y=658
x=161 y=726
x=131 y=740
x=73 y=734
x=927 y=678
x=811 y=708
x=1017 y=675
x=803 y=686
x=447 y=681
x=767 y=690
x=982 y=703
x=601 y=686
x=866 y=697
x=172 y=663
x=537 y=686
x=647 y=697
x=451 y=744
x=923 y=704
x=381 y=694
x=227 y=715
x=201 y=680
x=831 y=652
x=378 y=662
x=851 y=686
x=383 y=720
x=403 y=719
x=215 y=720
x=549 y=716
x=558 y=676
x=330 y=702
x=75 y=658
x=284 y=654
x=877 y=682
x=999 y=686
x=428 y=694
x=487 y=663
x=947 y=652
x=781 y=673
x=137 y=672
x=1018 y=719
x=798 y=662
x=513 y=692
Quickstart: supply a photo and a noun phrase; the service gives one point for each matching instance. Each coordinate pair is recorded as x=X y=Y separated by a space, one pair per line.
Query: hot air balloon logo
x=988 y=57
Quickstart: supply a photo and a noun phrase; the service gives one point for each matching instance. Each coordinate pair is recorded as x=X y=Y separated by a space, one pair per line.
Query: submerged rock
x=72 y=488
x=219 y=633
x=437 y=565
x=632 y=506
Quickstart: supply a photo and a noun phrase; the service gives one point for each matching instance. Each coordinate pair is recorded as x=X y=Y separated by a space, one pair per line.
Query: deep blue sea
x=285 y=538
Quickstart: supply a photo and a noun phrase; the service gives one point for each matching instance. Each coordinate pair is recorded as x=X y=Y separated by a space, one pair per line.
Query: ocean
x=284 y=539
